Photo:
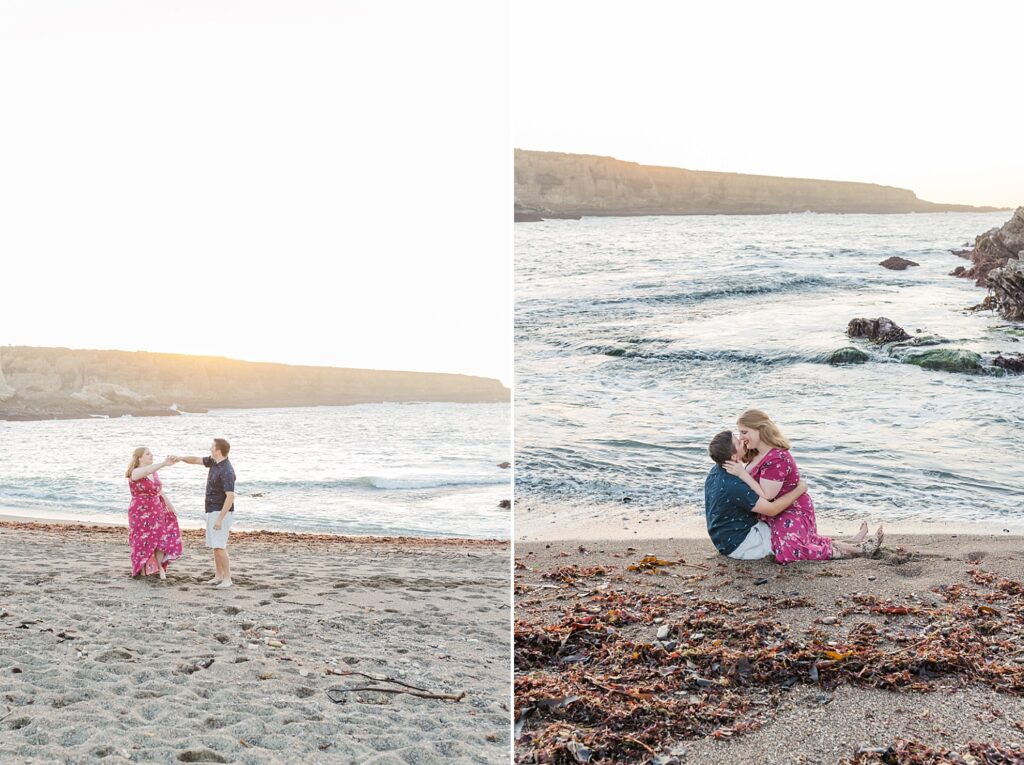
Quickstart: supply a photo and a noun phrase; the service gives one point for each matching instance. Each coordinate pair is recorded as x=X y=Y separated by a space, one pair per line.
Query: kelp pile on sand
x=917 y=753
x=590 y=688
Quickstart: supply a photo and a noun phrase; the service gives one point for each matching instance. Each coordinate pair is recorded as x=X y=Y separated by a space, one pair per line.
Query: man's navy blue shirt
x=728 y=509
x=219 y=482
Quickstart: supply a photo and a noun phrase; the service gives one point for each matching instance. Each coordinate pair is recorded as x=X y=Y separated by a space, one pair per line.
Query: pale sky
x=329 y=180
x=920 y=95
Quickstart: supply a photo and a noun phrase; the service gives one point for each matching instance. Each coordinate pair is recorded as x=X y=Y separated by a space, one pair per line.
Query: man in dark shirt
x=730 y=506
x=220 y=506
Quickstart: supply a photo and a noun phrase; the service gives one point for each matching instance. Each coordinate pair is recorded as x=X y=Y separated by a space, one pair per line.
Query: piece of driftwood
x=411 y=690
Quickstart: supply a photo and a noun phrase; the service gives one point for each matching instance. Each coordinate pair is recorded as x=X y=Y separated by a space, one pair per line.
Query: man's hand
x=732 y=467
x=217 y=525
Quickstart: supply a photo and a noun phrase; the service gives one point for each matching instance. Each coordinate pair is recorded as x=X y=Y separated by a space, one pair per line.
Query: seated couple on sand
x=756 y=505
x=153 y=531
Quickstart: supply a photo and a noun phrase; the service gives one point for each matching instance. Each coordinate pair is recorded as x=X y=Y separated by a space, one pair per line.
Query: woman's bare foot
x=862 y=532
x=215 y=580
x=870 y=546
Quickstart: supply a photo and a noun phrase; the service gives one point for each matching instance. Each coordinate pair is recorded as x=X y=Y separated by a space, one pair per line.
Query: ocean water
x=638 y=339
x=422 y=469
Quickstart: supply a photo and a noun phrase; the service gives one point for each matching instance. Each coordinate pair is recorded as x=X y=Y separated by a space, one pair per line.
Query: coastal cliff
x=557 y=185
x=46 y=383
x=996 y=263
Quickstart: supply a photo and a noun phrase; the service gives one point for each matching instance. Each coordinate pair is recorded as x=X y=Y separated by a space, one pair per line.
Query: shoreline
x=552 y=522
x=172 y=412
x=9 y=519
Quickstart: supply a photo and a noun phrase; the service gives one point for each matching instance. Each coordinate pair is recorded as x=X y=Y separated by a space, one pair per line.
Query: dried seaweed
x=917 y=753
x=573 y=572
x=588 y=685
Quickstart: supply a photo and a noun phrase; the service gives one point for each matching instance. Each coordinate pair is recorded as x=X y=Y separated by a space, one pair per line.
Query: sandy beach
x=695 y=659
x=98 y=667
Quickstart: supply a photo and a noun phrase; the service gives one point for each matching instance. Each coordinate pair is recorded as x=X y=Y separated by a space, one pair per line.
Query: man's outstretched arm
x=192 y=460
x=772 y=507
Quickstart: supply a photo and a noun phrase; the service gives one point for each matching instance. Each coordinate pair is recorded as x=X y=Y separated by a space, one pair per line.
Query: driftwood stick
x=382 y=679
x=379 y=689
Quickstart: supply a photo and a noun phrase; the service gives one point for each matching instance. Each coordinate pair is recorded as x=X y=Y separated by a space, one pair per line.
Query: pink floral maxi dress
x=151 y=526
x=794 y=530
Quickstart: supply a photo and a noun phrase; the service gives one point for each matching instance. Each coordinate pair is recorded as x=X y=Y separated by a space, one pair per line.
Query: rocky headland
x=996 y=264
x=48 y=383
x=558 y=185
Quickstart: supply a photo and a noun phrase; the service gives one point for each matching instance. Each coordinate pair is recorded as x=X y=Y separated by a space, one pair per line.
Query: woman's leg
x=863 y=549
x=862 y=532
x=159 y=555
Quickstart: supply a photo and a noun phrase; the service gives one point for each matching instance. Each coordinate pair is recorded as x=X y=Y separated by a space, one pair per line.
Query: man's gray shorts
x=756 y=545
x=218 y=539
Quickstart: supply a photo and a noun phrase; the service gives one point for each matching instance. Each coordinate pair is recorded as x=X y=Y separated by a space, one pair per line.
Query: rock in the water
x=896 y=263
x=994 y=248
x=848 y=355
x=1007 y=285
x=946 y=360
x=1012 y=363
x=505 y=504
x=958 y=271
x=880 y=330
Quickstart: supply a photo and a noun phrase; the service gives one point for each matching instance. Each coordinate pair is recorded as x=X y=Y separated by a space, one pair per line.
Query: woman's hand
x=732 y=467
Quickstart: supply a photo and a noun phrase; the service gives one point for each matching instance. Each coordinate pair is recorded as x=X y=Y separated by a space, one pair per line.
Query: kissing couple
x=153 y=531
x=756 y=505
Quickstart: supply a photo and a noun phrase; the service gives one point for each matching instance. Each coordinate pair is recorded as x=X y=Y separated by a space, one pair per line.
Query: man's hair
x=722 y=447
x=222 y=446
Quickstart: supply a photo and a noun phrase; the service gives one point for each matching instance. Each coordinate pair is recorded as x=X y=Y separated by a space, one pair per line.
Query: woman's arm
x=142 y=472
x=735 y=468
x=771 y=508
x=770 y=489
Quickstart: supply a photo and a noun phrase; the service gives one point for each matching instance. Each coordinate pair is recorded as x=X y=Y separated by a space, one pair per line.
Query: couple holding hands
x=153 y=531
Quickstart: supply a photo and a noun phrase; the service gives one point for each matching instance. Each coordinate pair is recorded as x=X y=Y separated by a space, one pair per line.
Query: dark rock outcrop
x=896 y=263
x=1012 y=363
x=47 y=383
x=994 y=249
x=550 y=184
x=880 y=330
x=1007 y=290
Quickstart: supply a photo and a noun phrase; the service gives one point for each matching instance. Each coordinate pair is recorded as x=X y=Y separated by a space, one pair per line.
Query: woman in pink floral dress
x=153 y=531
x=772 y=471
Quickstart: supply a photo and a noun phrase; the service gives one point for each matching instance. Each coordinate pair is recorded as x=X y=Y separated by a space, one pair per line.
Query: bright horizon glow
x=922 y=96
x=329 y=183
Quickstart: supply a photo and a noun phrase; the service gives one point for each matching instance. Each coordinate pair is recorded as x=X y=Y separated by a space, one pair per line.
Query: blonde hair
x=762 y=423
x=136 y=456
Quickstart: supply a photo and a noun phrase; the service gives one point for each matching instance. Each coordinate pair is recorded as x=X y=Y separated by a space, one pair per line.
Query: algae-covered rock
x=946 y=360
x=846 y=355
